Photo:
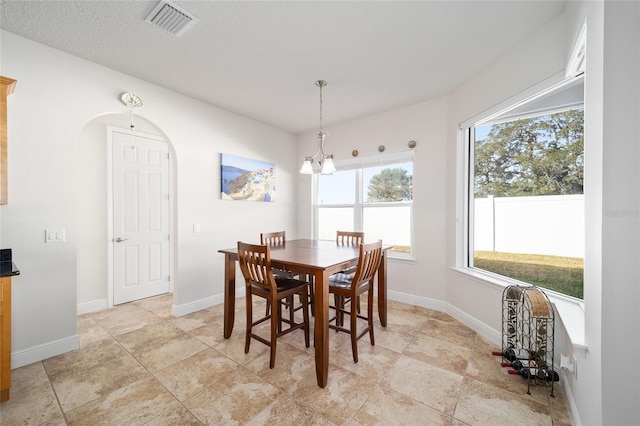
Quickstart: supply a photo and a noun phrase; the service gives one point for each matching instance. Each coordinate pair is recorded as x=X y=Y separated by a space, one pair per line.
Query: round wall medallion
x=412 y=144
x=131 y=100
x=381 y=148
x=354 y=153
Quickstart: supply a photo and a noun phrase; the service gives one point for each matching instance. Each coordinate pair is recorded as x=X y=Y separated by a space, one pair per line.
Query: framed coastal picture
x=246 y=179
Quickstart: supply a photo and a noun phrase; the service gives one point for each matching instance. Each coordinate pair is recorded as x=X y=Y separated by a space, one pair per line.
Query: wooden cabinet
x=5 y=337
x=7 y=85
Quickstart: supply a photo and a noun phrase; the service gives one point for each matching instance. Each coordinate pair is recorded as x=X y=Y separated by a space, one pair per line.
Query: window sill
x=400 y=256
x=570 y=311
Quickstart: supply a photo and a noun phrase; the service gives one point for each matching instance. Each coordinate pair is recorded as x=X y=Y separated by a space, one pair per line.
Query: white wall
x=536 y=59
x=423 y=280
x=607 y=387
x=57 y=157
x=619 y=65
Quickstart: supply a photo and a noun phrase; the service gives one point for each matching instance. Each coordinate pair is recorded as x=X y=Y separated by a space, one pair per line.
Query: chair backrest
x=255 y=264
x=349 y=238
x=368 y=262
x=273 y=238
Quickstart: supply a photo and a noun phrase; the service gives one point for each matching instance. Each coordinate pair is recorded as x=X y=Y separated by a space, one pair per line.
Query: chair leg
x=339 y=304
x=305 y=316
x=354 y=329
x=275 y=323
x=370 y=315
x=312 y=296
x=290 y=304
x=279 y=316
x=247 y=340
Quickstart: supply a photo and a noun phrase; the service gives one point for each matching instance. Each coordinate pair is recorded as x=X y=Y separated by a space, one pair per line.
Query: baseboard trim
x=573 y=408
x=44 y=351
x=494 y=336
x=196 y=305
x=423 y=302
x=92 y=306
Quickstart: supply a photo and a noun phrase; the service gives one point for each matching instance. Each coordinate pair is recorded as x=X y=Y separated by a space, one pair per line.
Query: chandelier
x=319 y=162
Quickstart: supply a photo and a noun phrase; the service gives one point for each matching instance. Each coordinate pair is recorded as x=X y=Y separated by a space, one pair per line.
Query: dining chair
x=349 y=287
x=279 y=238
x=351 y=238
x=255 y=264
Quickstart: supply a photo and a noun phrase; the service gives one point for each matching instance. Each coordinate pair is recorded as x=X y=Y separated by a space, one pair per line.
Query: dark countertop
x=8 y=269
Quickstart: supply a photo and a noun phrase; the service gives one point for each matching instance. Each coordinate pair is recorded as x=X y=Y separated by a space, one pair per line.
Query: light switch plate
x=54 y=236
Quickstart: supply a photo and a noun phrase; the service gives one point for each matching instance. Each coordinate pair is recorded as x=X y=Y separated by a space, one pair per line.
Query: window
x=525 y=210
x=370 y=196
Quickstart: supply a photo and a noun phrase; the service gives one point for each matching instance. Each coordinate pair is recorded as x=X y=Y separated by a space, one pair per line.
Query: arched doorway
x=94 y=241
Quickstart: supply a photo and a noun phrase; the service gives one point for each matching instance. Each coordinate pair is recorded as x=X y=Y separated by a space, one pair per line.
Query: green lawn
x=561 y=274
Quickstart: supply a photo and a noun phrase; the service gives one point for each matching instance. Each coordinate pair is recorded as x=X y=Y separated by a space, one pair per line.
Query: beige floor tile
x=211 y=333
x=394 y=306
x=90 y=332
x=409 y=321
x=388 y=407
x=235 y=398
x=339 y=401
x=374 y=362
x=393 y=337
x=176 y=416
x=440 y=353
x=124 y=318
x=32 y=400
x=134 y=404
x=152 y=336
x=285 y=410
x=186 y=378
x=84 y=377
x=233 y=348
x=483 y=404
x=292 y=364
x=197 y=319
x=140 y=365
x=426 y=383
x=173 y=350
x=159 y=305
x=450 y=331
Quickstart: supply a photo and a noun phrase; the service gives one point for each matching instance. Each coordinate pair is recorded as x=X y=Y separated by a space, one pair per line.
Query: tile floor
x=139 y=365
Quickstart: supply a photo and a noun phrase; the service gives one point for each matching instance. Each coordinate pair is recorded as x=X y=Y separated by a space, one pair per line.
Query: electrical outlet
x=196 y=228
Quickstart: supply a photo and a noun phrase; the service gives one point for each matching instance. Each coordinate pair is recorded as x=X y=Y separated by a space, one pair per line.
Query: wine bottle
x=539 y=373
x=519 y=364
x=512 y=354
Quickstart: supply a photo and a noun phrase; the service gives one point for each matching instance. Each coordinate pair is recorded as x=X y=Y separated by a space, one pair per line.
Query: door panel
x=141 y=226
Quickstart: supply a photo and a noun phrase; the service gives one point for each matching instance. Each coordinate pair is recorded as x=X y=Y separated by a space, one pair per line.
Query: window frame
x=465 y=187
x=359 y=206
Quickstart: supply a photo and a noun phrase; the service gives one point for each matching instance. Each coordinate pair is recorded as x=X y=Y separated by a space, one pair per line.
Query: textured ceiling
x=261 y=59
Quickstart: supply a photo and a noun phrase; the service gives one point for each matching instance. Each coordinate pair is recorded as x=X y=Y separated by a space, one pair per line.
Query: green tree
x=390 y=185
x=536 y=156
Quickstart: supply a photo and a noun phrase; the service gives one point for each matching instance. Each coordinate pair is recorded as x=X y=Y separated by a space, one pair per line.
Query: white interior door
x=141 y=258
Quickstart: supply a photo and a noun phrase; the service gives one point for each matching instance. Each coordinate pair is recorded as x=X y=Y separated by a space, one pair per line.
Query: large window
x=374 y=197
x=525 y=191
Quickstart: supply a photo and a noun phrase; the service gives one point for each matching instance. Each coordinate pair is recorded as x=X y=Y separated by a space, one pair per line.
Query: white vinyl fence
x=552 y=225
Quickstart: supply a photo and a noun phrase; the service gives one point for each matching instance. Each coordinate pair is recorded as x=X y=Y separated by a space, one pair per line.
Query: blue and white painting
x=246 y=179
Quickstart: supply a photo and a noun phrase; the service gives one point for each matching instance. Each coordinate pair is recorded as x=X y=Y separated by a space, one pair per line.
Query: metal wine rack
x=528 y=328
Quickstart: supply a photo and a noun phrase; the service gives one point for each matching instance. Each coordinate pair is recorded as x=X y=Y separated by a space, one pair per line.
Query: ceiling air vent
x=171 y=18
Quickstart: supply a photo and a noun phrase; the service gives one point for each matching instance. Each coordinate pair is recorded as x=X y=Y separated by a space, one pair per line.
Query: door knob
x=119 y=240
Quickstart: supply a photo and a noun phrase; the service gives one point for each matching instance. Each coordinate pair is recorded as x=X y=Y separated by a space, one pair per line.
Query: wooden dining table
x=319 y=259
